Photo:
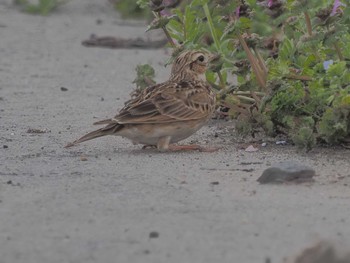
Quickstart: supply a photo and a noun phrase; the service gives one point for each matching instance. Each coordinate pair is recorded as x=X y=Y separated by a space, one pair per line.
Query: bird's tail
x=110 y=129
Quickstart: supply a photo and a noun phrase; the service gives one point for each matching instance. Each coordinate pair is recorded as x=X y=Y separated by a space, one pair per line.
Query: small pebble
x=5 y=146
x=251 y=148
x=31 y=130
x=64 y=89
x=214 y=183
x=263 y=144
x=153 y=234
x=83 y=158
x=281 y=142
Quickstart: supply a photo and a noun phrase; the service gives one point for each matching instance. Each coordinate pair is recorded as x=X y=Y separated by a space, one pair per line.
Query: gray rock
x=286 y=172
x=322 y=252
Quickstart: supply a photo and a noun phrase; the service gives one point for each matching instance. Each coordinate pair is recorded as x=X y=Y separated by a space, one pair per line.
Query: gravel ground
x=109 y=201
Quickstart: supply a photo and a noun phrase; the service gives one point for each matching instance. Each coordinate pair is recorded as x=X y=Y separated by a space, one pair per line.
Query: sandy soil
x=124 y=204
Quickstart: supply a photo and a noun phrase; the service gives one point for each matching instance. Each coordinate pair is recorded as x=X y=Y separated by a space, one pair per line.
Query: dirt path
x=124 y=204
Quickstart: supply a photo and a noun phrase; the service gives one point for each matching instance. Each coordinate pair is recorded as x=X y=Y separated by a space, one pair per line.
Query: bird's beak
x=213 y=57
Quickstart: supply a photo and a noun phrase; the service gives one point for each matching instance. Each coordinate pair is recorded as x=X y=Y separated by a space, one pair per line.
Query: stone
x=285 y=172
x=251 y=148
x=321 y=252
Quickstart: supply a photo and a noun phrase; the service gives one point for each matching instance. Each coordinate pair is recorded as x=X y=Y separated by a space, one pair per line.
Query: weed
x=43 y=7
x=290 y=58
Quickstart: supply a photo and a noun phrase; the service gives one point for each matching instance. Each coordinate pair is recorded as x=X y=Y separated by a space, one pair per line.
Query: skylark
x=168 y=112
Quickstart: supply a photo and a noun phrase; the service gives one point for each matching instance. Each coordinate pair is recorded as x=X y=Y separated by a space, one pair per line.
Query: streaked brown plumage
x=168 y=112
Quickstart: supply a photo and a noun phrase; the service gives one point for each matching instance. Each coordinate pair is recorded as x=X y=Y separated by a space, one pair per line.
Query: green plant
x=43 y=7
x=145 y=76
x=291 y=60
x=130 y=9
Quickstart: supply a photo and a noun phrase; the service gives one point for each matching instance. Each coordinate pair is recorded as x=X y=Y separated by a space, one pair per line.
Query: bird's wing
x=170 y=102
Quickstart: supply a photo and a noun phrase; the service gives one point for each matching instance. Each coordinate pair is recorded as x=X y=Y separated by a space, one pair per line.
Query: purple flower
x=336 y=7
x=327 y=63
x=238 y=9
x=165 y=12
x=267 y=3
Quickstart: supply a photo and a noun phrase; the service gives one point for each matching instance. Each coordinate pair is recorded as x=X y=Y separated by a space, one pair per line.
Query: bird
x=166 y=113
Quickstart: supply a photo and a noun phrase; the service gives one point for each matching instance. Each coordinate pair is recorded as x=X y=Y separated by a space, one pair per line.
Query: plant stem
x=293 y=76
x=222 y=81
x=211 y=27
x=338 y=50
x=171 y=41
x=259 y=73
x=246 y=98
x=308 y=23
x=260 y=60
x=248 y=93
x=165 y=30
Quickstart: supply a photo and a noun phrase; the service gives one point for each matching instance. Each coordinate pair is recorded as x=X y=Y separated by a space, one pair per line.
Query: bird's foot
x=148 y=147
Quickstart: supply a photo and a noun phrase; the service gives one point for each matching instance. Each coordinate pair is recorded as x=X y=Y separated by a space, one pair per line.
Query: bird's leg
x=192 y=147
x=163 y=143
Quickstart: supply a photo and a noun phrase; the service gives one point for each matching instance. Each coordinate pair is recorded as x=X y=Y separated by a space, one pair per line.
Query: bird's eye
x=201 y=58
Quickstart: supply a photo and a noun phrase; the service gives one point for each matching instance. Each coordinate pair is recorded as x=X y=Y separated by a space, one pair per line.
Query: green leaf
x=305 y=138
x=145 y=76
x=287 y=50
x=336 y=69
x=212 y=28
x=159 y=22
x=199 y=2
x=334 y=124
x=310 y=60
x=43 y=7
x=346 y=100
x=143 y=3
x=244 y=23
x=278 y=69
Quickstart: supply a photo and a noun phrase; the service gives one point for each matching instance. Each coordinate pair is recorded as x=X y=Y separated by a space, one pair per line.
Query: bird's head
x=191 y=64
